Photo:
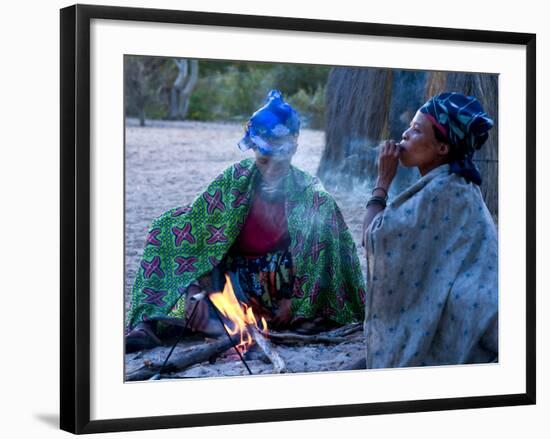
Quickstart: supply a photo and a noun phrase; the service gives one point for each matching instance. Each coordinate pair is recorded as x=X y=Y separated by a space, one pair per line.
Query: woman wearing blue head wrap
x=432 y=260
x=273 y=129
x=270 y=226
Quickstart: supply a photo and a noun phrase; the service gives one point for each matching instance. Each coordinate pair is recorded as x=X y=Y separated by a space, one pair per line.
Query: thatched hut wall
x=366 y=105
x=351 y=125
x=363 y=106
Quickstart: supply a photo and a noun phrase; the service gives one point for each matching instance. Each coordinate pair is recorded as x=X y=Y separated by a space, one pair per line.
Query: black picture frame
x=75 y=217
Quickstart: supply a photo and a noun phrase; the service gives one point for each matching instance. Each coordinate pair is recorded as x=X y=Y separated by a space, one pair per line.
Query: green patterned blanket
x=185 y=243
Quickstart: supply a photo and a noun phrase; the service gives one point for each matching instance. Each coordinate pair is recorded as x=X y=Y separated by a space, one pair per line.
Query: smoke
x=356 y=174
x=365 y=106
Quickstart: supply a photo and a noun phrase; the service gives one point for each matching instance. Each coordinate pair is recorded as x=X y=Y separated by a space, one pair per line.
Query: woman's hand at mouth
x=388 y=160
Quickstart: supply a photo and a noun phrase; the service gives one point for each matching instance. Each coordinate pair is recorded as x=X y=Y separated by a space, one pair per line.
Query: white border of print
x=112 y=398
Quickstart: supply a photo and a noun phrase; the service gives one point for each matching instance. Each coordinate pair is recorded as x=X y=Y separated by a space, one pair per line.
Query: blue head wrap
x=464 y=124
x=273 y=128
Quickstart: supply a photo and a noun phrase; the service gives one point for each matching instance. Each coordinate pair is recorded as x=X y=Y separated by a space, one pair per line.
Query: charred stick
x=182 y=359
x=331 y=337
x=279 y=365
x=346 y=330
x=176 y=322
x=292 y=338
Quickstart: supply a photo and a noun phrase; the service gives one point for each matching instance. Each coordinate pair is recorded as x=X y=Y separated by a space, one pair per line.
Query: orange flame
x=240 y=314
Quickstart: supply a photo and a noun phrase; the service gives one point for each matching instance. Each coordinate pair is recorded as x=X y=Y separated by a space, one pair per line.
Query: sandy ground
x=167 y=165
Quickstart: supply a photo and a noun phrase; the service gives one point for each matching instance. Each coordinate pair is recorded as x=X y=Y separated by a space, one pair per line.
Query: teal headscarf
x=464 y=124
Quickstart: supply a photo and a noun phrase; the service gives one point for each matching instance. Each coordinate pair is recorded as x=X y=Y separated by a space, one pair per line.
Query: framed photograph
x=340 y=214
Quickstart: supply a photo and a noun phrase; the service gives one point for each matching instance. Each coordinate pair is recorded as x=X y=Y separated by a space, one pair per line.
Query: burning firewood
x=241 y=320
x=263 y=343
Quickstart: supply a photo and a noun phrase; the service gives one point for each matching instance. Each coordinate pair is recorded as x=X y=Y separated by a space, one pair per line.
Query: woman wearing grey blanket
x=432 y=264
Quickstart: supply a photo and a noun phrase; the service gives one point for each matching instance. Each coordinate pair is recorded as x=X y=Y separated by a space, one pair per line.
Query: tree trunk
x=141 y=91
x=185 y=94
x=177 y=87
x=143 y=79
x=182 y=88
x=173 y=113
x=142 y=117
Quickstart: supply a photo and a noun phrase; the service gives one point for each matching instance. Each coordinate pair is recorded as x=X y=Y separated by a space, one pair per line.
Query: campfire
x=243 y=322
x=240 y=315
x=243 y=332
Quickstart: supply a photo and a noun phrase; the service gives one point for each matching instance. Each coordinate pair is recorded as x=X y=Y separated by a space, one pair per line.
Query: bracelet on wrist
x=382 y=189
x=380 y=201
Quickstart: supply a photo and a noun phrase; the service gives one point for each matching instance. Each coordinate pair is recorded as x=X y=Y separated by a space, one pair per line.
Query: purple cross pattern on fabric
x=217 y=234
x=300 y=242
x=241 y=198
x=182 y=210
x=341 y=296
x=214 y=202
x=342 y=224
x=213 y=261
x=184 y=233
x=152 y=267
x=316 y=250
x=335 y=224
x=154 y=297
x=240 y=171
x=329 y=311
x=152 y=237
x=299 y=282
x=318 y=201
x=185 y=264
x=315 y=292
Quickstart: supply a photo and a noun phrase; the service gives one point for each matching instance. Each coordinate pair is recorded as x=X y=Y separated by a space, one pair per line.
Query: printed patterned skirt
x=264 y=280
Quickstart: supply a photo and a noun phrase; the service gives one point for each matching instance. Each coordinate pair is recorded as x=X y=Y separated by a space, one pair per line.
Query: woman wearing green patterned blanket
x=269 y=224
